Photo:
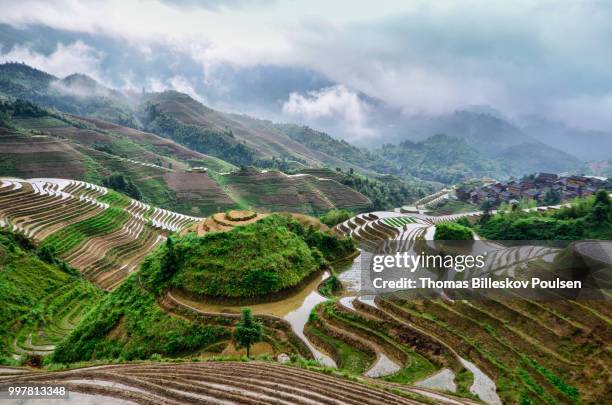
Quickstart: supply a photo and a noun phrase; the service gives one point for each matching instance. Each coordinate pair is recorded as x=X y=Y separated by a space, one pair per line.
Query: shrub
x=334 y=217
x=452 y=231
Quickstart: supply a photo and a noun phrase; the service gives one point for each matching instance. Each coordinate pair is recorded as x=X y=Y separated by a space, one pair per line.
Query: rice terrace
x=237 y=202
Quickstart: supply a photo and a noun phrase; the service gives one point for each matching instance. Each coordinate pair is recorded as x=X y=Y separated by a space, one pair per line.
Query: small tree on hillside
x=248 y=331
x=486 y=211
x=552 y=197
x=169 y=263
x=602 y=206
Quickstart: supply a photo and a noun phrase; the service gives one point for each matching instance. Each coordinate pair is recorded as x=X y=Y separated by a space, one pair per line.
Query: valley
x=424 y=350
x=135 y=228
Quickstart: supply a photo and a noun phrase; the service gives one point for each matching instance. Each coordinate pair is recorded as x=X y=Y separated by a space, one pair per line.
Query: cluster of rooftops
x=534 y=187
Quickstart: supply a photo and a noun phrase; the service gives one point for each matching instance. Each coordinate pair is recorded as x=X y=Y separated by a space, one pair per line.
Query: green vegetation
x=76 y=94
x=385 y=192
x=73 y=235
x=398 y=221
x=212 y=142
x=114 y=199
x=262 y=258
x=41 y=298
x=561 y=385
x=452 y=231
x=448 y=207
x=349 y=358
x=128 y=324
x=334 y=217
x=122 y=184
x=21 y=109
x=440 y=158
x=247 y=332
x=340 y=149
x=213 y=164
x=331 y=286
x=587 y=218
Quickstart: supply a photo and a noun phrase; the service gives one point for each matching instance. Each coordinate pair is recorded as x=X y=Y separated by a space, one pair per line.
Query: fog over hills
x=365 y=73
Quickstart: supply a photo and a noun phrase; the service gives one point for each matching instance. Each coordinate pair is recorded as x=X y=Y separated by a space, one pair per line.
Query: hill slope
x=441 y=158
x=103 y=234
x=40 y=301
x=76 y=94
x=496 y=138
x=48 y=144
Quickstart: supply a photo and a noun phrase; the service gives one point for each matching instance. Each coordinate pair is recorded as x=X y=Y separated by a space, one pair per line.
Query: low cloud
x=76 y=57
x=183 y=85
x=418 y=57
x=336 y=103
x=579 y=110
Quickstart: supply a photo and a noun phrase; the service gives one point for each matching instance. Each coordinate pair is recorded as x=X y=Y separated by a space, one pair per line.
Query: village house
x=546 y=179
x=533 y=188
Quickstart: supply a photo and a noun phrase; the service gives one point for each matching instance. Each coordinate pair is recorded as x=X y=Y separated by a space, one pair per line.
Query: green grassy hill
x=136 y=321
x=255 y=260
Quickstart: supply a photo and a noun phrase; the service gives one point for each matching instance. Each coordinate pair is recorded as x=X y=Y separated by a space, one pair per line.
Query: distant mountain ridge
x=441 y=158
x=585 y=144
x=76 y=94
x=502 y=146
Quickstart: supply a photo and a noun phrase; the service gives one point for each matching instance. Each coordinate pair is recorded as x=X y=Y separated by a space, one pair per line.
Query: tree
x=602 y=197
x=601 y=206
x=123 y=184
x=248 y=331
x=169 y=263
x=335 y=216
x=552 y=197
x=486 y=211
x=452 y=231
x=48 y=254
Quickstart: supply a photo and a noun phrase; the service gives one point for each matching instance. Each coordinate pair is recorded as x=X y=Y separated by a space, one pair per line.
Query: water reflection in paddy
x=295 y=309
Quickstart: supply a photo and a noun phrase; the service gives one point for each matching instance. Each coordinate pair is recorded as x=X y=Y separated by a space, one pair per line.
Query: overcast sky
x=333 y=61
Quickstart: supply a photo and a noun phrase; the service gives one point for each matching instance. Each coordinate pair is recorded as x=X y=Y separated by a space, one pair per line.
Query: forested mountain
x=498 y=139
x=75 y=94
x=441 y=158
x=469 y=144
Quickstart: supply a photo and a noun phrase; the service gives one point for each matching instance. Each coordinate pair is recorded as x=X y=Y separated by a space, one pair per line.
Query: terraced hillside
x=29 y=156
x=513 y=351
x=276 y=191
x=218 y=383
x=223 y=221
x=91 y=150
x=41 y=300
x=103 y=234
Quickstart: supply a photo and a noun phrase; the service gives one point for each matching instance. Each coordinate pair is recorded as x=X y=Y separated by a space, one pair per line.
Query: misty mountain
x=586 y=145
x=490 y=145
x=75 y=94
x=441 y=158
